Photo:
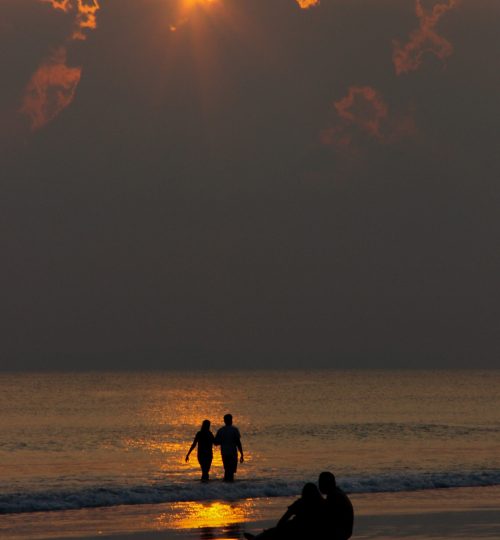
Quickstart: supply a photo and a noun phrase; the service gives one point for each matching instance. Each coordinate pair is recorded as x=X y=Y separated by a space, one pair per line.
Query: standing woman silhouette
x=205 y=441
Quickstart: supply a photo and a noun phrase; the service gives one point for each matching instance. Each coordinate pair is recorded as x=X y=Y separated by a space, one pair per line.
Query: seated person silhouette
x=303 y=520
x=229 y=439
x=339 y=517
x=204 y=439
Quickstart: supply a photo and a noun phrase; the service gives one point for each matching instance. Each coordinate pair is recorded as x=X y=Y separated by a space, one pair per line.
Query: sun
x=187 y=5
x=186 y=9
x=192 y=3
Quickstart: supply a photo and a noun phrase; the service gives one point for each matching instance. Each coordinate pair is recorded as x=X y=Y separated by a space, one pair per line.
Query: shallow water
x=93 y=440
x=445 y=514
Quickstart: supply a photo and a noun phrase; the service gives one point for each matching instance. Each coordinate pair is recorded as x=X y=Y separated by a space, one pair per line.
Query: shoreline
x=437 y=514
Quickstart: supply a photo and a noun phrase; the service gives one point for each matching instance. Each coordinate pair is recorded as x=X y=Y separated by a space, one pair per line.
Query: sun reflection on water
x=198 y=515
x=175 y=417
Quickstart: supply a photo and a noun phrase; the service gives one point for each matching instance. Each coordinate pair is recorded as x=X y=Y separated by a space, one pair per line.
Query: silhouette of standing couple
x=228 y=438
x=312 y=516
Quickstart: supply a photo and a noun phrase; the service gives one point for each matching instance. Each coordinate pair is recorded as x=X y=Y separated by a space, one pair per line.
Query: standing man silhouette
x=228 y=438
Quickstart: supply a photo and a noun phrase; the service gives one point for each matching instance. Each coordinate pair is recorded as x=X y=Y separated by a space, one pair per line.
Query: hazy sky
x=249 y=183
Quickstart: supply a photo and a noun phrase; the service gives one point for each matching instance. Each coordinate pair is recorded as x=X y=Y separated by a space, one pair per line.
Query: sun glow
x=185 y=10
x=193 y=3
x=306 y=4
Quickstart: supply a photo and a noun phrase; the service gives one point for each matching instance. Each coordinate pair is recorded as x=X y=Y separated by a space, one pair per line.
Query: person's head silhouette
x=310 y=493
x=205 y=426
x=228 y=419
x=326 y=482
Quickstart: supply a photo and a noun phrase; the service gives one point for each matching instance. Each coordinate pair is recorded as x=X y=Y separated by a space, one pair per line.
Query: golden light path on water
x=189 y=407
x=183 y=410
x=197 y=515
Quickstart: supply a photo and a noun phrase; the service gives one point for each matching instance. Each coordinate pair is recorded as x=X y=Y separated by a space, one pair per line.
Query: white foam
x=99 y=496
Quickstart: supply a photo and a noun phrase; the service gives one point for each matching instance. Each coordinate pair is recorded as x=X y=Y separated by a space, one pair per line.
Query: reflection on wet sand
x=213 y=519
x=230 y=532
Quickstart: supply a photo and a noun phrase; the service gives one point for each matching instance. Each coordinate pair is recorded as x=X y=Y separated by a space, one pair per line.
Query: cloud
x=364 y=113
x=425 y=39
x=63 y=5
x=363 y=106
x=50 y=90
x=85 y=12
x=86 y=17
x=52 y=87
x=306 y=4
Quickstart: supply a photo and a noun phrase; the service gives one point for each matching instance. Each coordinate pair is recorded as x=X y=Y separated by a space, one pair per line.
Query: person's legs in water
x=205 y=464
x=230 y=465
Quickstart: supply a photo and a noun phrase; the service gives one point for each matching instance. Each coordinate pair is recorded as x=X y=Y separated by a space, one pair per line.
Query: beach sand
x=432 y=514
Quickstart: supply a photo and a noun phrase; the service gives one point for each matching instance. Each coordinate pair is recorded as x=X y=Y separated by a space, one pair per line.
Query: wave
x=383 y=430
x=100 y=496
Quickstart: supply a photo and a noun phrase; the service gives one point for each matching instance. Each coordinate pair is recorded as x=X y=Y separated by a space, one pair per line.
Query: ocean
x=71 y=441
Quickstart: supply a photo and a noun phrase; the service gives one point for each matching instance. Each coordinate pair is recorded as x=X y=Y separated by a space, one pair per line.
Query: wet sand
x=471 y=513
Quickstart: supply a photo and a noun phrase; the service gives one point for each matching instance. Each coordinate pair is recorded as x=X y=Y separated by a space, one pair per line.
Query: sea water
x=91 y=440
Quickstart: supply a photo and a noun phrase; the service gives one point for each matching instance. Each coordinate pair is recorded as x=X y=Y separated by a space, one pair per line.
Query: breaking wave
x=99 y=496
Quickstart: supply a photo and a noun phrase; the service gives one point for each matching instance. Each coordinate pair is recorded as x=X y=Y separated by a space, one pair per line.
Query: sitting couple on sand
x=228 y=438
x=314 y=517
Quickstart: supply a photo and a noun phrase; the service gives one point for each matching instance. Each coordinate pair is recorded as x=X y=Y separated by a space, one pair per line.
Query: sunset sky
x=249 y=183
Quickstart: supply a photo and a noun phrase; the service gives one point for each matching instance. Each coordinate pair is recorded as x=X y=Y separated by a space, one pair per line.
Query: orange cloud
x=363 y=106
x=63 y=5
x=305 y=4
x=363 y=112
x=52 y=87
x=86 y=18
x=50 y=90
x=85 y=14
x=425 y=39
